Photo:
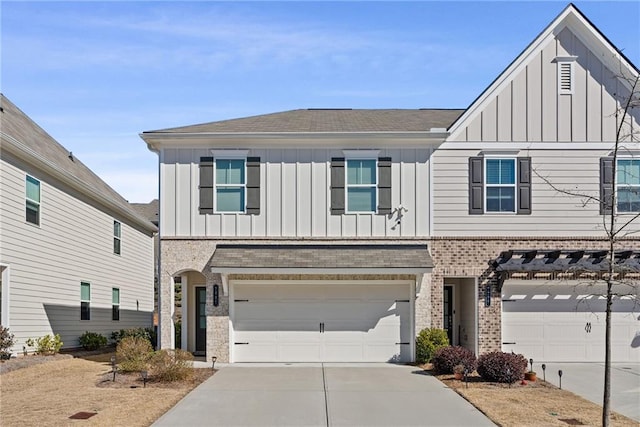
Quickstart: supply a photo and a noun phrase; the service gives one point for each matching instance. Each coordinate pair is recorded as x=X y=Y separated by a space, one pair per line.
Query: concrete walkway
x=317 y=395
x=587 y=380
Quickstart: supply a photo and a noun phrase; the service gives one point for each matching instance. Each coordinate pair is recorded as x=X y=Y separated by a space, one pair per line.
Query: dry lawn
x=535 y=404
x=48 y=394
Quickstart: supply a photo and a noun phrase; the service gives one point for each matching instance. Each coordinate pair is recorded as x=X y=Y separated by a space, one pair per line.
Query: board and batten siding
x=529 y=108
x=73 y=244
x=553 y=213
x=295 y=197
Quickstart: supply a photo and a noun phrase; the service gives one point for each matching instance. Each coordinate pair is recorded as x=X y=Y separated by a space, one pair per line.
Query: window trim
x=117 y=237
x=216 y=185
x=85 y=301
x=485 y=185
x=347 y=186
x=115 y=307
x=616 y=185
x=28 y=200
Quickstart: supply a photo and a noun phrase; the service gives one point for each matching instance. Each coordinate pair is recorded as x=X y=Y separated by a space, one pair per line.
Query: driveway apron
x=322 y=395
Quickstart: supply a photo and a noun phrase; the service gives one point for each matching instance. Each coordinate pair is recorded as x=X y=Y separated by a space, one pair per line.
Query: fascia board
x=26 y=154
x=157 y=141
x=285 y=270
x=562 y=146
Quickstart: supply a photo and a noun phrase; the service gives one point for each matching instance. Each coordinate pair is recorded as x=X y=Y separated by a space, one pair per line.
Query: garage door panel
x=361 y=322
x=565 y=326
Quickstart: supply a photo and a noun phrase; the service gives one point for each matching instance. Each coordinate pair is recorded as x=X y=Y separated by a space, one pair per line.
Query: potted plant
x=458 y=372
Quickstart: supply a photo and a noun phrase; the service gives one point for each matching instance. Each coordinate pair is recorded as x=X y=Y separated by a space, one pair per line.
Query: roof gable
x=523 y=102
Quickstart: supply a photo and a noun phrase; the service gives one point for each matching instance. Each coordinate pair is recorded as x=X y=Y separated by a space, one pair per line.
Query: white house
x=336 y=235
x=74 y=255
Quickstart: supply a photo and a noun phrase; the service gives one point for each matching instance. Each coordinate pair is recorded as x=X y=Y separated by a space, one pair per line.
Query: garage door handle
x=241 y=343
x=402 y=343
x=402 y=300
x=506 y=343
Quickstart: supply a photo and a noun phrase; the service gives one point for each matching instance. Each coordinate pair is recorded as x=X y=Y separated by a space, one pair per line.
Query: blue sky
x=96 y=74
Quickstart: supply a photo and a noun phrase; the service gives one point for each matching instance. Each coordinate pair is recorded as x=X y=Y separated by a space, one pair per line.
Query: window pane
x=361 y=171
x=501 y=171
x=361 y=200
x=500 y=199
x=115 y=296
x=33 y=189
x=628 y=171
x=85 y=312
x=116 y=229
x=33 y=213
x=230 y=171
x=115 y=312
x=230 y=199
x=629 y=199
x=85 y=291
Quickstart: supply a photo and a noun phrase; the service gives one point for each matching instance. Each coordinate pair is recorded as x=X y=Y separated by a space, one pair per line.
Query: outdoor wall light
x=145 y=376
x=213 y=362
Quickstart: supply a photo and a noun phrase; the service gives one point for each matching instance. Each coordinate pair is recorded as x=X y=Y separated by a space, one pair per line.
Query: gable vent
x=565 y=78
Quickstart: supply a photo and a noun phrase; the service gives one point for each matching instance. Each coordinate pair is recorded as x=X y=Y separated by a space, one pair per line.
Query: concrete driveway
x=587 y=379
x=322 y=395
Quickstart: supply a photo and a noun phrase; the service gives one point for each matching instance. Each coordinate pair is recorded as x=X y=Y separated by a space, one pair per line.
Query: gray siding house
x=74 y=255
x=337 y=235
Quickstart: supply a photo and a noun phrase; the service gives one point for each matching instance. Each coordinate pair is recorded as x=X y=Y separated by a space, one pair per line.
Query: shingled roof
x=329 y=120
x=22 y=135
x=364 y=257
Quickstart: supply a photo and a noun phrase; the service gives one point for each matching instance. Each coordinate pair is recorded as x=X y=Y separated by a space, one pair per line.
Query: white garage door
x=321 y=322
x=566 y=323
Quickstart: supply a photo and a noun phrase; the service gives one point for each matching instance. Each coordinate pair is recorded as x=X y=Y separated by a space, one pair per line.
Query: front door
x=201 y=319
x=448 y=312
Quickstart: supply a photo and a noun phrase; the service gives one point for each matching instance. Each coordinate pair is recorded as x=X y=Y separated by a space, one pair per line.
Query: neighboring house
x=337 y=235
x=150 y=211
x=74 y=255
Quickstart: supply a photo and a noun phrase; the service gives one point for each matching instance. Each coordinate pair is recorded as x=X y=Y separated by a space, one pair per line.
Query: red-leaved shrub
x=446 y=358
x=502 y=367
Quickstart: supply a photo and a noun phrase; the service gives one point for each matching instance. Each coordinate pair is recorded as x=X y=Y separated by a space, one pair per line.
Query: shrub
x=171 y=365
x=446 y=358
x=46 y=345
x=133 y=354
x=6 y=342
x=92 y=340
x=147 y=333
x=428 y=341
x=502 y=367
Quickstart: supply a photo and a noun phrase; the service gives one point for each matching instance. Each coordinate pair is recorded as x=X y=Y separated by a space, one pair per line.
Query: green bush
x=133 y=354
x=6 y=342
x=147 y=333
x=171 y=365
x=92 y=340
x=428 y=341
x=46 y=345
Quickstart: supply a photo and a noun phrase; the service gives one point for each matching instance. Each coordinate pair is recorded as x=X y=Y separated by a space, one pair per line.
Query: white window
x=115 y=304
x=230 y=185
x=361 y=185
x=628 y=185
x=117 y=237
x=85 y=301
x=500 y=184
x=32 y=200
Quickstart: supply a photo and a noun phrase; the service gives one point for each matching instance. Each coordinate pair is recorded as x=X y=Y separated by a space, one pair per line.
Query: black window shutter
x=384 y=185
x=476 y=185
x=606 y=185
x=337 y=185
x=524 y=185
x=253 y=185
x=206 y=185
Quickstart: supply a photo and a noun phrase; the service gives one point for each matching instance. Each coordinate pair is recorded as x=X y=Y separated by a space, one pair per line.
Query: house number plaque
x=216 y=296
x=487 y=296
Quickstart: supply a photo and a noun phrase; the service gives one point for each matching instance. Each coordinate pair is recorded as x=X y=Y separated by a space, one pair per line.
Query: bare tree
x=616 y=226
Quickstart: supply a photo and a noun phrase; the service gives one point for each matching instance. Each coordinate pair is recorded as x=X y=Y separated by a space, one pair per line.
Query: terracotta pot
x=530 y=376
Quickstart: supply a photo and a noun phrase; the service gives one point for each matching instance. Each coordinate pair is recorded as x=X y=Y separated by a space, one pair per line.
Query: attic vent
x=565 y=78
